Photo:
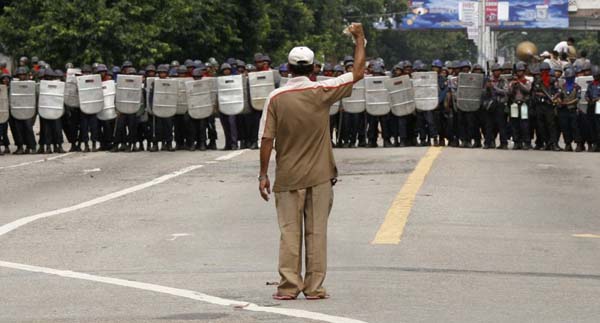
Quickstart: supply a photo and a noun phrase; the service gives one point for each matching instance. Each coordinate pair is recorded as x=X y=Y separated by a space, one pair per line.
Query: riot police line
x=460 y=105
x=132 y=112
x=452 y=104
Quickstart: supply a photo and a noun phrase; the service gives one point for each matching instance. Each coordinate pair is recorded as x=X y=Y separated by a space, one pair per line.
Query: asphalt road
x=493 y=236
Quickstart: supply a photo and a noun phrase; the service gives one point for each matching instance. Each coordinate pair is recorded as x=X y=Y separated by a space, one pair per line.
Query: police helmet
x=586 y=66
x=21 y=71
x=240 y=63
x=595 y=70
x=348 y=59
x=101 y=68
x=35 y=60
x=437 y=63
x=151 y=68
x=327 y=67
x=163 y=68
x=86 y=68
x=338 y=68
x=225 y=66
x=569 y=72
x=127 y=64
x=175 y=63
x=130 y=71
x=116 y=70
x=544 y=66
x=197 y=72
x=181 y=69
x=521 y=66
x=283 y=67
x=188 y=63
x=496 y=67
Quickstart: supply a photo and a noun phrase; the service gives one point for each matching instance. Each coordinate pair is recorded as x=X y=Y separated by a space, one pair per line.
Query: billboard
x=499 y=14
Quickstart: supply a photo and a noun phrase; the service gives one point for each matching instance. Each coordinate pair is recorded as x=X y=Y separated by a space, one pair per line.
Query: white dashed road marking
x=35 y=161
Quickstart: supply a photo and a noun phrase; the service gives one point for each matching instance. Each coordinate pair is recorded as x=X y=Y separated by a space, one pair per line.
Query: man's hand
x=265 y=188
x=356 y=29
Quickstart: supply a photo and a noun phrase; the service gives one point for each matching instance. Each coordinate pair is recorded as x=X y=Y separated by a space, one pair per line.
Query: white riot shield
x=357 y=102
x=71 y=92
x=583 y=82
x=182 y=95
x=91 y=97
x=377 y=96
x=165 y=96
x=23 y=99
x=470 y=89
x=4 y=107
x=426 y=88
x=261 y=85
x=109 y=110
x=335 y=108
x=247 y=101
x=129 y=93
x=200 y=103
x=52 y=99
x=402 y=95
x=231 y=94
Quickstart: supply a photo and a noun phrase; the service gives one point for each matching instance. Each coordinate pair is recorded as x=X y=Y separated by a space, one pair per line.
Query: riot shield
x=129 y=93
x=283 y=81
x=200 y=103
x=583 y=82
x=71 y=91
x=182 y=95
x=231 y=94
x=91 y=97
x=109 y=111
x=23 y=99
x=357 y=102
x=426 y=87
x=51 y=103
x=377 y=96
x=335 y=108
x=470 y=89
x=261 y=85
x=402 y=95
x=165 y=97
x=4 y=107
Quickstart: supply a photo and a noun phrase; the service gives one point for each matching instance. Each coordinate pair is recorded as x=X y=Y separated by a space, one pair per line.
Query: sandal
x=283 y=297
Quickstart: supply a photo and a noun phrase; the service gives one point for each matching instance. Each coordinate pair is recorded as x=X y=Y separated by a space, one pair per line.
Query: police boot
x=115 y=148
x=94 y=147
x=153 y=147
x=465 y=144
x=580 y=148
x=48 y=149
x=135 y=148
x=58 y=149
x=477 y=144
x=503 y=147
x=41 y=150
x=19 y=151
x=1 y=152
x=7 y=150
x=169 y=147
x=212 y=145
x=201 y=145
x=191 y=147
x=517 y=146
x=568 y=147
x=86 y=148
x=597 y=148
x=235 y=146
x=454 y=143
x=362 y=143
x=254 y=146
x=372 y=144
x=436 y=142
x=141 y=146
x=527 y=146
x=387 y=143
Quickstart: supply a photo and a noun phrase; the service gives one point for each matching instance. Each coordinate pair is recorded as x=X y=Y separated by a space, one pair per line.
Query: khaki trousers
x=308 y=208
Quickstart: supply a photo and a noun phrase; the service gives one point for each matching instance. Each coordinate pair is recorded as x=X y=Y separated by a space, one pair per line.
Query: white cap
x=301 y=55
x=545 y=54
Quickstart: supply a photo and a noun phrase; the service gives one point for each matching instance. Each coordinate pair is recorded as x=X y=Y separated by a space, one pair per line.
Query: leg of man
x=319 y=201
x=290 y=213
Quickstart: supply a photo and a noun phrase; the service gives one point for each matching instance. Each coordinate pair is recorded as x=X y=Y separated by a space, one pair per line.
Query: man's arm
x=266 y=147
x=356 y=29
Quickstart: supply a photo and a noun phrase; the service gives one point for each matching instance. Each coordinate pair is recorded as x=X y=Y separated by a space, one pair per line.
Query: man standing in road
x=296 y=121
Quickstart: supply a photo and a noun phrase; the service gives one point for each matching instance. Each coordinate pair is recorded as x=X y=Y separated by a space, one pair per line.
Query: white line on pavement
x=26 y=220
x=180 y=293
x=231 y=155
x=35 y=161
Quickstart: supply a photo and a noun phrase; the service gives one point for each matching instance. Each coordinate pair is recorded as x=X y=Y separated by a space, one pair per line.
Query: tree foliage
x=145 y=31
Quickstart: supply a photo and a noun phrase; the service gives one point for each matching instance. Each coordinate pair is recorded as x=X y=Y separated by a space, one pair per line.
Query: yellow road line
x=587 y=235
x=392 y=228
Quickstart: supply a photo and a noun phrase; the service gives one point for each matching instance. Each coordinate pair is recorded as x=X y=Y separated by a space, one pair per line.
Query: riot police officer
x=22 y=130
x=593 y=99
x=568 y=97
x=493 y=109
x=544 y=91
x=520 y=90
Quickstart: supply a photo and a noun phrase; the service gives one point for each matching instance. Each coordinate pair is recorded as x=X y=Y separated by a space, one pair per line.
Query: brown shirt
x=297 y=117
